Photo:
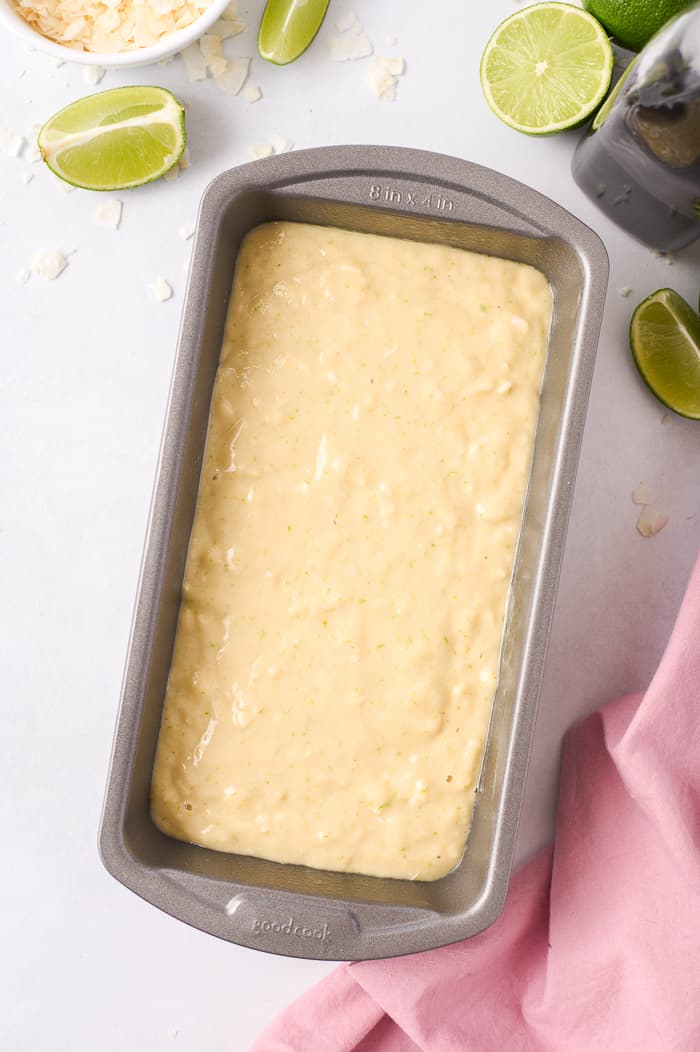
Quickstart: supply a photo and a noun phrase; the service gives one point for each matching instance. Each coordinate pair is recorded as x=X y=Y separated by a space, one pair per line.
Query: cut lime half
x=288 y=27
x=115 y=139
x=546 y=68
x=665 y=343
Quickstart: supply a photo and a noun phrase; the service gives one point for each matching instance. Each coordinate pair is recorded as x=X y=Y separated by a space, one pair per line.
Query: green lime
x=665 y=342
x=287 y=28
x=633 y=22
x=546 y=68
x=115 y=139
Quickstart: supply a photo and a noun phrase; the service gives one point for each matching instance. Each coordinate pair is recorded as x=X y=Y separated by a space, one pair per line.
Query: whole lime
x=633 y=22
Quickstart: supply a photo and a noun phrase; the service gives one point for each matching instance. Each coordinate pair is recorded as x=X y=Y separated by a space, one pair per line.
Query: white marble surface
x=86 y=363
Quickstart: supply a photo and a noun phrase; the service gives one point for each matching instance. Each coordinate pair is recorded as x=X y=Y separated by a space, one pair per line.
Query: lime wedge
x=665 y=342
x=115 y=139
x=546 y=68
x=288 y=27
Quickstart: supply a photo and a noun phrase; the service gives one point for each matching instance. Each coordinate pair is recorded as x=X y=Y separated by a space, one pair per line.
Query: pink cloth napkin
x=598 y=947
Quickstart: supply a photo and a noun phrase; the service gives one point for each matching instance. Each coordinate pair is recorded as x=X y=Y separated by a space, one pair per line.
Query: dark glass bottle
x=640 y=161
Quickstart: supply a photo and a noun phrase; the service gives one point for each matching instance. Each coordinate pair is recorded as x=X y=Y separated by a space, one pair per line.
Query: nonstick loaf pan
x=289 y=909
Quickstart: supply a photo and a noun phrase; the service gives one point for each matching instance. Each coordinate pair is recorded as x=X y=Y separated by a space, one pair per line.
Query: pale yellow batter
x=338 y=644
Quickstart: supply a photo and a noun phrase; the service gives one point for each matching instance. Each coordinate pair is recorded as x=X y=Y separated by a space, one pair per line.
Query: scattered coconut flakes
x=23 y=276
x=651 y=521
x=234 y=76
x=57 y=62
x=641 y=494
x=231 y=11
x=186 y=231
x=391 y=40
x=383 y=76
x=109 y=214
x=193 y=60
x=92 y=75
x=161 y=289
x=49 y=263
x=172 y=174
x=227 y=28
x=184 y=162
x=625 y=291
x=26 y=177
x=281 y=144
x=348 y=22
x=11 y=143
x=252 y=93
x=348 y=47
x=261 y=149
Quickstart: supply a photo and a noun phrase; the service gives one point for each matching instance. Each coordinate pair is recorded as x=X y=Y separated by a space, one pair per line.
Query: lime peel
x=546 y=68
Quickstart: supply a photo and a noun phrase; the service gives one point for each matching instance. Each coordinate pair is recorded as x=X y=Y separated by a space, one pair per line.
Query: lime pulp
x=546 y=68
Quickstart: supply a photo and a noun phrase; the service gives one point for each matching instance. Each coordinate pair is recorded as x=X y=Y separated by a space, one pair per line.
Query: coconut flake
x=26 y=177
x=49 y=263
x=226 y=28
x=651 y=521
x=184 y=162
x=11 y=143
x=348 y=47
x=23 y=276
x=261 y=149
x=252 y=93
x=161 y=289
x=172 y=174
x=641 y=494
x=281 y=144
x=348 y=22
x=92 y=75
x=625 y=291
x=195 y=68
x=232 y=79
x=109 y=214
x=383 y=76
x=186 y=231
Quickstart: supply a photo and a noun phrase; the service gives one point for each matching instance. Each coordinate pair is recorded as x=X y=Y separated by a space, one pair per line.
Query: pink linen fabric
x=598 y=947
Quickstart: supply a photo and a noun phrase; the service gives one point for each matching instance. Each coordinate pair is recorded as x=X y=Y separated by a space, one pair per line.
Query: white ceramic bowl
x=169 y=45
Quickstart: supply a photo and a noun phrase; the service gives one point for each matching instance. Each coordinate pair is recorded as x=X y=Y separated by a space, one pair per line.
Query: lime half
x=665 y=342
x=546 y=68
x=288 y=27
x=115 y=139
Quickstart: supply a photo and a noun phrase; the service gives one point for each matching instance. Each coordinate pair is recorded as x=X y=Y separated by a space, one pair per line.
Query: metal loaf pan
x=293 y=910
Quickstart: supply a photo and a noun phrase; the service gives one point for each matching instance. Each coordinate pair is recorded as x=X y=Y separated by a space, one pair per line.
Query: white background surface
x=86 y=364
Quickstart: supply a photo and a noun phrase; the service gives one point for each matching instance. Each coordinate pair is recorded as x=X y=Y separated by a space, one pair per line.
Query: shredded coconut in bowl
x=109 y=26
